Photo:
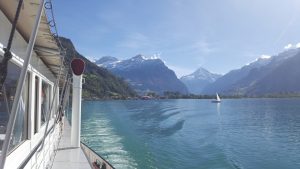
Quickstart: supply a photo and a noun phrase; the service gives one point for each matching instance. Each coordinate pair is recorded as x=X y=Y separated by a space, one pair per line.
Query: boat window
x=56 y=103
x=36 y=105
x=7 y=96
x=45 y=101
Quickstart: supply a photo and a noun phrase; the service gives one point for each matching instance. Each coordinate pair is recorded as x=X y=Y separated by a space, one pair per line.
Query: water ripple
x=98 y=134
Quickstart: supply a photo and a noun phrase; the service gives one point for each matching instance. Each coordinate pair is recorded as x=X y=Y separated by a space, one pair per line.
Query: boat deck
x=67 y=156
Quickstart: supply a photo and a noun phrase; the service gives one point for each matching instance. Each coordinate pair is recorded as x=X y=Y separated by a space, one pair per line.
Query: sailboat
x=217 y=100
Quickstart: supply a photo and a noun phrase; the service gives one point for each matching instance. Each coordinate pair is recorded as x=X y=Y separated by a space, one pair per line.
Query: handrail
x=95 y=160
x=35 y=149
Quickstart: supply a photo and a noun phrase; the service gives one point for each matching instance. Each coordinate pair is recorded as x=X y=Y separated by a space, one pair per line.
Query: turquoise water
x=170 y=134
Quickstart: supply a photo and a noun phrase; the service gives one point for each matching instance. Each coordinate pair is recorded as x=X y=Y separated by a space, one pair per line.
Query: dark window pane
x=45 y=101
x=36 y=107
x=7 y=96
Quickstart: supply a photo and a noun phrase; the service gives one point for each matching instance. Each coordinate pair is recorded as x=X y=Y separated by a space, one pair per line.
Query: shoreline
x=224 y=97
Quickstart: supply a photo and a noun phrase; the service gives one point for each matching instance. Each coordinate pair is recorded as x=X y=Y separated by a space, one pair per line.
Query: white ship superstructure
x=36 y=140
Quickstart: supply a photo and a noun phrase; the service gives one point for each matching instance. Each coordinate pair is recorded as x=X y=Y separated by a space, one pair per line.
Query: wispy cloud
x=201 y=47
x=135 y=40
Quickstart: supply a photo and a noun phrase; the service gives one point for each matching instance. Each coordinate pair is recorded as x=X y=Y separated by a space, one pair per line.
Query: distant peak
x=142 y=57
x=201 y=70
x=139 y=56
x=202 y=73
x=106 y=59
x=109 y=58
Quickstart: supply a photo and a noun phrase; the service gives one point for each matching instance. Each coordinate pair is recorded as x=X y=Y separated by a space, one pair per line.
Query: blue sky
x=219 y=35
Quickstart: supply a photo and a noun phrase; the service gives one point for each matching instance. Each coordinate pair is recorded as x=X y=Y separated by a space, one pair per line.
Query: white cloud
x=288 y=46
x=298 y=45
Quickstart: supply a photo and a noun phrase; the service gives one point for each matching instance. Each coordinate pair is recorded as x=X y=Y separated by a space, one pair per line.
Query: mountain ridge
x=258 y=77
x=146 y=74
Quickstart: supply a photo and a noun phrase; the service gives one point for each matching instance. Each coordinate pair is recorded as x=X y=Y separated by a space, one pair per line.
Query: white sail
x=218 y=98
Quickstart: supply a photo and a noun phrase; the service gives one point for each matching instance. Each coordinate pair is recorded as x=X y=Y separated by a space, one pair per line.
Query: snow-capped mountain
x=109 y=62
x=259 y=77
x=105 y=60
x=202 y=74
x=144 y=73
x=198 y=80
x=261 y=61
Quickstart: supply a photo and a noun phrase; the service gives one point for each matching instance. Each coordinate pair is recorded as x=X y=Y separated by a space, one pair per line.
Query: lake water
x=171 y=134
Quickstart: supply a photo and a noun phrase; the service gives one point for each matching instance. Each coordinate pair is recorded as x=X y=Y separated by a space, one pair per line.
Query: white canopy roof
x=46 y=46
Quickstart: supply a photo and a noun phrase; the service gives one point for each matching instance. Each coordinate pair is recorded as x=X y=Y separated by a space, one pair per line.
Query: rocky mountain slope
x=99 y=83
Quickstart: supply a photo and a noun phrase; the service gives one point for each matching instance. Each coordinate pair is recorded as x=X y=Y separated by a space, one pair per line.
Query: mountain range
x=144 y=74
x=267 y=75
x=276 y=75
